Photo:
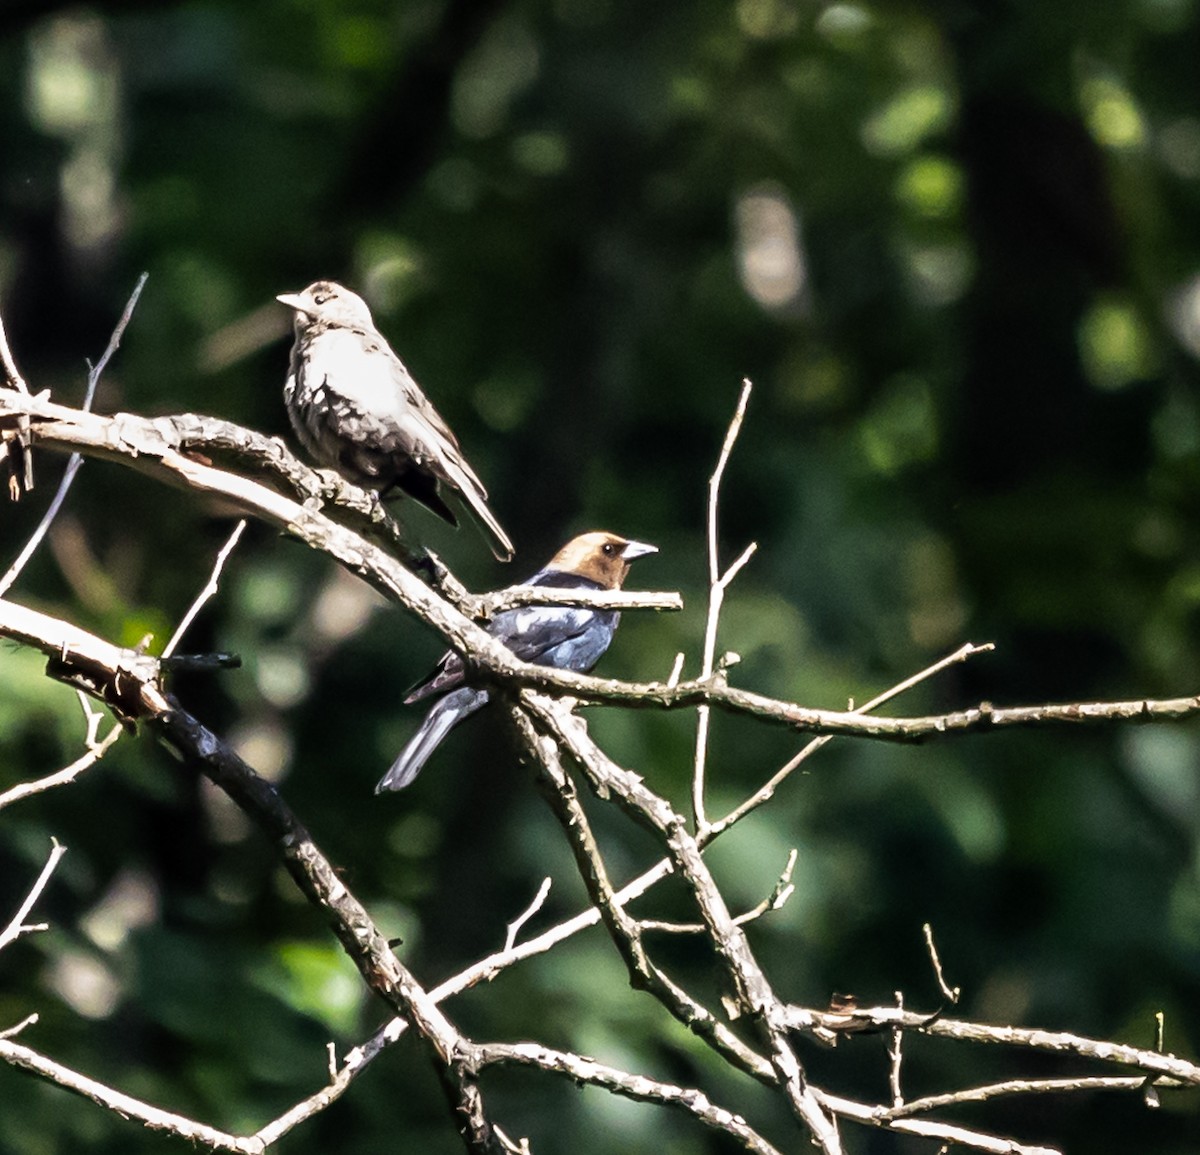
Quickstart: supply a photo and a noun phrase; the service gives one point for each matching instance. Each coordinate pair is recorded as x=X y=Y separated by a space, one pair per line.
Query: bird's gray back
x=355 y=407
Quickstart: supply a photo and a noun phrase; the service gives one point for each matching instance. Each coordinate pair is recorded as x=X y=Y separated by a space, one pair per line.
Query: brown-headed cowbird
x=355 y=407
x=570 y=639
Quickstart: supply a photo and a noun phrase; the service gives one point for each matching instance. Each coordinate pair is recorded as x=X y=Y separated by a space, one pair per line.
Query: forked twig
x=514 y=927
x=17 y=925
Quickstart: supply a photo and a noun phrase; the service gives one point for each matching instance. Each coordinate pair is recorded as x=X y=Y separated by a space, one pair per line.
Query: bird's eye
x=320 y=299
x=608 y=549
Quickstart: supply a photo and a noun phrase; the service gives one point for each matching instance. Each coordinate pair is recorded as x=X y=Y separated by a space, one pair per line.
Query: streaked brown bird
x=356 y=408
x=561 y=636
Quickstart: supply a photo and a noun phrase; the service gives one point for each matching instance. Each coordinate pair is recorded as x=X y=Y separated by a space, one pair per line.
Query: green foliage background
x=955 y=247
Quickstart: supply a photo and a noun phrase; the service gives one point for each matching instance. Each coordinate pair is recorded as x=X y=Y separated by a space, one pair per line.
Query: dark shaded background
x=955 y=246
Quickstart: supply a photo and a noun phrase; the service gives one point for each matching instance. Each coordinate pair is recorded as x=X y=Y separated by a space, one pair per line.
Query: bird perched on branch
x=355 y=407
x=560 y=636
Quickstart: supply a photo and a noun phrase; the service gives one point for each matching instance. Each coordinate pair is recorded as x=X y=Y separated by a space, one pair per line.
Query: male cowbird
x=355 y=407
x=570 y=639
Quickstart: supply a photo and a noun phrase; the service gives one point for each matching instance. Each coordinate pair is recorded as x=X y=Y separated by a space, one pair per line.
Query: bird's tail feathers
x=471 y=489
x=440 y=720
x=502 y=547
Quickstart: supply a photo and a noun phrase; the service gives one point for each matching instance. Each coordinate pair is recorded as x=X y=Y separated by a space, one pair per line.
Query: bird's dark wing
x=446 y=675
x=566 y=637
x=436 y=449
x=356 y=407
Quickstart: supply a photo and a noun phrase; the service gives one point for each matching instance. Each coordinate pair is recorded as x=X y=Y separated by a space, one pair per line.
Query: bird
x=561 y=636
x=357 y=409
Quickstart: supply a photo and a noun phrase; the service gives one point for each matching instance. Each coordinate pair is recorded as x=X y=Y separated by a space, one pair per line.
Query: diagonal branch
x=17 y=925
x=76 y=459
x=625 y=930
x=128 y=680
x=149 y=1116
x=755 y=997
x=637 y=1087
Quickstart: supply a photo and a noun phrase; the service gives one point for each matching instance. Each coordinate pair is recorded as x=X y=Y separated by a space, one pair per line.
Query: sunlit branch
x=17 y=925
x=717 y=584
x=76 y=459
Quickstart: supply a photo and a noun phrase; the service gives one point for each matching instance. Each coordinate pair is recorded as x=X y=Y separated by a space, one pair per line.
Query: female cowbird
x=355 y=407
x=570 y=639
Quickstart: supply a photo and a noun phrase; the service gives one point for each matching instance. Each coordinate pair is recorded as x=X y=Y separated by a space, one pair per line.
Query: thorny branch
x=179 y=450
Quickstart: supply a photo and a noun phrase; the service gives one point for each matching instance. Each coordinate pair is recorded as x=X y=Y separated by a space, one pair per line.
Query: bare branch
x=151 y=446
x=782 y=891
x=65 y=776
x=638 y=1087
x=151 y=1117
x=1059 y=1042
x=1020 y=1087
x=488 y=605
x=514 y=927
x=622 y=927
x=209 y=590
x=945 y=1132
x=128 y=680
x=766 y=792
x=17 y=926
x=76 y=459
x=951 y=994
x=716 y=595
x=754 y=994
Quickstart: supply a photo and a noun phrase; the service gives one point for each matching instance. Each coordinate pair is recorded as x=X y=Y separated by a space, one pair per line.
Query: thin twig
x=153 y=1117
x=488 y=605
x=76 y=459
x=1020 y=1087
x=17 y=926
x=896 y=1057
x=209 y=590
x=874 y=1019
x=67 y=774
x=767 y=791
x=950 y=993
x=514 y=927
x=11 y=374
x=945 y=1132
x=779 y=895
x=716 y=595
x=13 y=1031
